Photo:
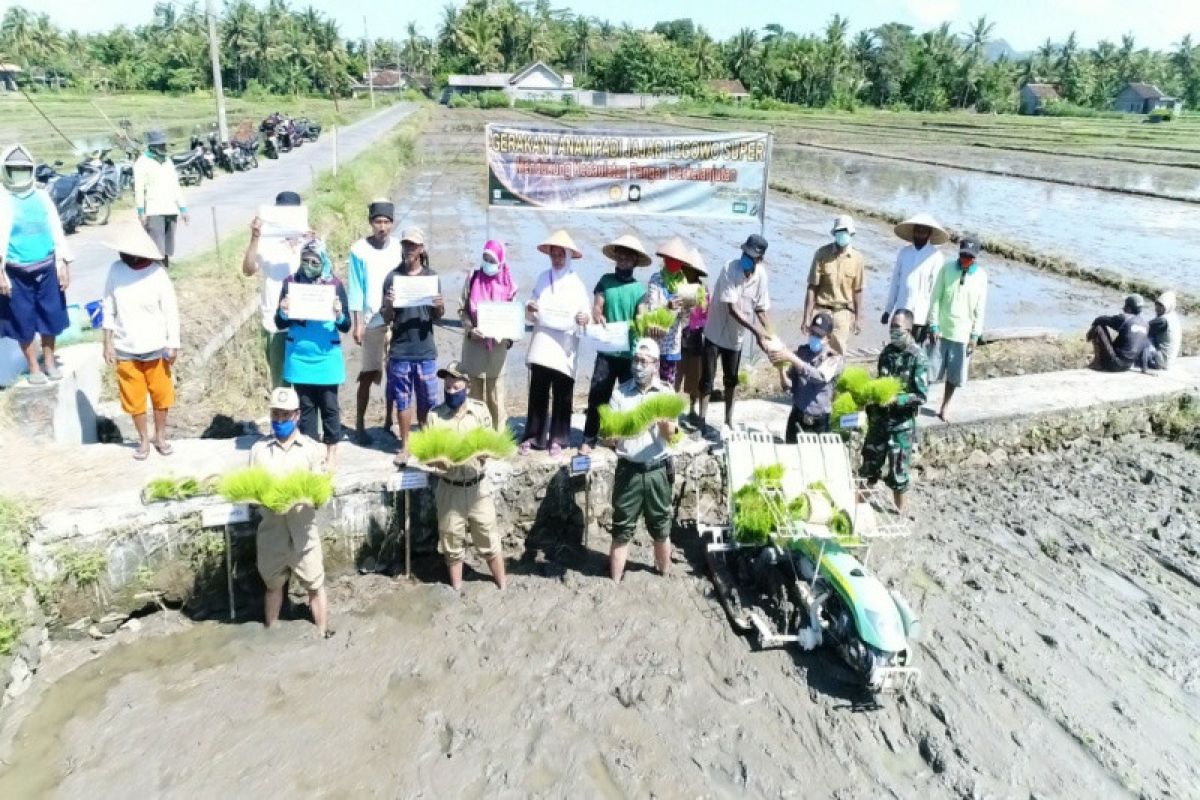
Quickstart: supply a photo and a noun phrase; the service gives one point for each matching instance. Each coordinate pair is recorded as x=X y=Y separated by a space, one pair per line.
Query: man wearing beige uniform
x=835 y=284
x=289 y=544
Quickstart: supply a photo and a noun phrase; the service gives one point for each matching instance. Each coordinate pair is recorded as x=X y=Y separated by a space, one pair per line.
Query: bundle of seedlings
x=169 y=488
x=636 y=421
x=279 y=493
x=660 y=318
x=445 y=447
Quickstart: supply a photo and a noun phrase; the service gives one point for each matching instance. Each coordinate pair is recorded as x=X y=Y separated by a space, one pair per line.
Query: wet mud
x=1058 y=594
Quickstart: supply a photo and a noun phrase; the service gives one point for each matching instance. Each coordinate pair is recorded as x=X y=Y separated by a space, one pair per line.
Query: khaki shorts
x=463 y=509
x=373 y=347
x=290 y=544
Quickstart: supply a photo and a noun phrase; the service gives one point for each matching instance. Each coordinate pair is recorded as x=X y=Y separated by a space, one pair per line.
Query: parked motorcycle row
x=86 y=196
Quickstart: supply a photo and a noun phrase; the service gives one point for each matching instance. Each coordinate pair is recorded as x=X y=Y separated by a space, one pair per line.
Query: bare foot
x=942 y=415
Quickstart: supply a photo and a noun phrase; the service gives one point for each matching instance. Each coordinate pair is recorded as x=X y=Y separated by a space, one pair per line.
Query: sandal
x=164 y=449
x=37 y=379
x=141 y=453
x=525 y=447
x=401 y=459
x=52 y=372
x=555 y=450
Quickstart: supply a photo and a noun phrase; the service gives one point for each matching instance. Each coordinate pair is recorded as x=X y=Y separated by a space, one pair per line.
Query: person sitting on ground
x=464 y=494
x=812 y=374
x=956 y=317
x=559 y=309
x=277 y=259
x=891 y=429
x=371 y=259
x=642 y=486
x=412 y=355
x=835 y=283
x=740 y=300
x=35 y=266
x=615 y=299
x=141 y=333
x=483 y=358
x=918 y=265
x=313 y=362
x=1166 y=333
x=289 y=544
x=1119 y=353
x=673 y=288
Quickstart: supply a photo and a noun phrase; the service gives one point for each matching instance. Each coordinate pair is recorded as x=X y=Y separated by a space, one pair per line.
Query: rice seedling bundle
x=769 y=477
x=658 y=318
x=812 y=507
x=635 y=421
x=446 y=445
x=753 y=521
x=843 y=404
x=167 y=488
x=246 y=485
x=853 y=380
x=880 y=391
x=301 y=487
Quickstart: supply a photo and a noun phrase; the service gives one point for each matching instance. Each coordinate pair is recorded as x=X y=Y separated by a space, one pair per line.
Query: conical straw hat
x=629 y=242
x=905 y=229
x=676 y=248
x=560 y=238
x=697 y=263
x=133 y=240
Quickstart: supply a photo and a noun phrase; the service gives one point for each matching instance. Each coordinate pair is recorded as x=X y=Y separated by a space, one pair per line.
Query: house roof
x=1146 y=91
x=519 y=76
x=489 y=80
x=730 y=87
x=1043 y=91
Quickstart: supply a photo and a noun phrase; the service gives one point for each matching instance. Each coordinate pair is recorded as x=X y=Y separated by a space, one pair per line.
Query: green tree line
x=283 y=49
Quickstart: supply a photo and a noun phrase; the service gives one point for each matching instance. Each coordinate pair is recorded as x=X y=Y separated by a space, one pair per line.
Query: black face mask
x=624 y=273
x=920 y=243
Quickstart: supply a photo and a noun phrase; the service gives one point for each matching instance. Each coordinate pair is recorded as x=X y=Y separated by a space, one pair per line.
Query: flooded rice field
x=1058 y=596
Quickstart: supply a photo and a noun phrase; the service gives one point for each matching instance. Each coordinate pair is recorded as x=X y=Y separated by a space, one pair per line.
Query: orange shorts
x=136 y=379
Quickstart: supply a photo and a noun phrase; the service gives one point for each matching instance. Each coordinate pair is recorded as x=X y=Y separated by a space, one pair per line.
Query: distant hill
x=999 y=47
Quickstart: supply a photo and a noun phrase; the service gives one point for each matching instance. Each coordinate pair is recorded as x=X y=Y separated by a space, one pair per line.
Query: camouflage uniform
x=887 y=450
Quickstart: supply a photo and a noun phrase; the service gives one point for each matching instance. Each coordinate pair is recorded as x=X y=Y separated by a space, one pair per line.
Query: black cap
x=822 y=324
x=288 y=199
x=1134 y=304
x=755 y=246
x=969 y=245
x=381 y=208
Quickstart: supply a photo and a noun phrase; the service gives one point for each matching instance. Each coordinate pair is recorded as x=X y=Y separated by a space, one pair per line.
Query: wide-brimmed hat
x=629 y=242
x=133 y=240
x=154 y=138
x=697 y=263
x=678 y=249
x=413 y=236
x=937 y=236
x=560 y=238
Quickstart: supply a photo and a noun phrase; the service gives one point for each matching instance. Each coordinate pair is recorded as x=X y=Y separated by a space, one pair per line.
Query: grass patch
x=82 y=567
x=16 y=524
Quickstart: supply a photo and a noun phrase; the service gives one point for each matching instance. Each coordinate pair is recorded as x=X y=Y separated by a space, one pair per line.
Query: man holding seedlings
x=740 y=300
x=887 y=449
x=371 y=259
x=289 y=544
x=1117 y=354
x=835 y=283
x=956 y=317
x=642 y=485
x=812 y=373
x=464 y=493
x=917 y=267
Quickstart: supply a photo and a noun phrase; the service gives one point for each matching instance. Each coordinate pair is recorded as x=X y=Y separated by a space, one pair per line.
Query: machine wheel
x=96 y=210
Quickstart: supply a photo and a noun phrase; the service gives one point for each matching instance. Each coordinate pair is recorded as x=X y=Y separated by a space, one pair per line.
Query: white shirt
x=912 y=281
x=552 y=348
x=277 y=260
x=156 y=187
x=140 y=309
x=369 y=267
x=751 y=295
x=648 y=446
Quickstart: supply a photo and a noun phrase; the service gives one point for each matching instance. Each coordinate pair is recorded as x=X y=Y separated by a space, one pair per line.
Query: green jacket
x=911 y=367
x=956 y=308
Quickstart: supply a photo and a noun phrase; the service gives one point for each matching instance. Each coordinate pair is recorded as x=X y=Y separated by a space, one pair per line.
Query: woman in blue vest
x=34 y=266
x=312 y=359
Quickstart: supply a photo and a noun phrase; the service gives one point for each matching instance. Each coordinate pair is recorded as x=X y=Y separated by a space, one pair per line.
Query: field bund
x=160 y=551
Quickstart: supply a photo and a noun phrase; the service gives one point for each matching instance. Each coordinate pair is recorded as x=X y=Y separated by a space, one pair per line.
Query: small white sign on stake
x=224 y=514
x=407 y=479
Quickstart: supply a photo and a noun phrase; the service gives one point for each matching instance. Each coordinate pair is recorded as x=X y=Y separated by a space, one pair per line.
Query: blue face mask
x=816 y=344
x=456 y=399
x=841 y=238
x=489 y=268
x=747 y=263
x=283 y=430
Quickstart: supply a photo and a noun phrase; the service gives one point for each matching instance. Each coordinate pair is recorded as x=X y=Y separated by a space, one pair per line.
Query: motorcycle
x=245 y=154
x=190 y=167
x=285 y=137
x=64 y=191
x=307 y=129
x=207 y=159
x=223 y=153
x=99 y=186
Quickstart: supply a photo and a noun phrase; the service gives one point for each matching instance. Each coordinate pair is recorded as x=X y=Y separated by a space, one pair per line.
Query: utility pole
x=214 y=52
x=370 y=72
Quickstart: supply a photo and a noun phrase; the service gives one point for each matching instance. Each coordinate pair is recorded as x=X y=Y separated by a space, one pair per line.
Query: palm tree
x=478 y=37
x=707 y=57
x=579 y=42
x=974 y=52
x=742 y=50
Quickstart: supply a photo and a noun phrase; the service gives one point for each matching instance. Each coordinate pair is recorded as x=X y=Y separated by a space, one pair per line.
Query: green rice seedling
x=842 y=527
x=770 y=476
x=246 y=485
x=843 y=404
x=820 y=488
x=753 y=521
x=434 y=443
x=881 y=391
x=454 y=447
x=302 y=487
x=635 y=422
x=158 y=490
x=800 y=508
x=658 y=318
x=487 y=441
x=853 y=380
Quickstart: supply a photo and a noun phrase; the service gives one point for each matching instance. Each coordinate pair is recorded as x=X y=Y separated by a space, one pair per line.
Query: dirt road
x=1059 y=594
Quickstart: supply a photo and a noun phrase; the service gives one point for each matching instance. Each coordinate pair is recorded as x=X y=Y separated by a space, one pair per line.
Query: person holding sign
x=277 y=258
x=371 y=259
x=676 y=287
x=312 y=310
x=412 y=302
x=642 y=485
x=483 y=357
x=464 y=494
x=615 y=299
x=559 y=308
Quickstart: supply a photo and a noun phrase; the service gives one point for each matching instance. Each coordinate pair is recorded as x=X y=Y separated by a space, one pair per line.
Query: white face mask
x=488 y=268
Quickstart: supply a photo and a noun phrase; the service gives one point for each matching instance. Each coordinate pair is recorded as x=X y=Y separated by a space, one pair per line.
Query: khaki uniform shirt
x=279 y=459
x=836 y=276
x=471 y=414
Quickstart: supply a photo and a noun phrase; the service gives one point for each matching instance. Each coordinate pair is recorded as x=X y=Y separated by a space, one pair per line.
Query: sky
x=1025 y=24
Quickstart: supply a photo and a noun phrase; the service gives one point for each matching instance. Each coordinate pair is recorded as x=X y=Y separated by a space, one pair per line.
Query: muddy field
x=1058 y=593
